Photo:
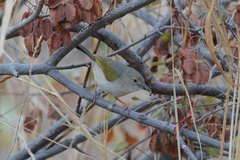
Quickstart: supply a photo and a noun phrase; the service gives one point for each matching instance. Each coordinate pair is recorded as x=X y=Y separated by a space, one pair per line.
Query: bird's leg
x=125 y=106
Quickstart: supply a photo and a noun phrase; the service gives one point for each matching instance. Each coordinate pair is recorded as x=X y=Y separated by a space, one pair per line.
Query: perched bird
x=115 y=77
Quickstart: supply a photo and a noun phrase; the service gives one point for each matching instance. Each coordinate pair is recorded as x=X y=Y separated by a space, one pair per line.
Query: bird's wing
x=104 y=63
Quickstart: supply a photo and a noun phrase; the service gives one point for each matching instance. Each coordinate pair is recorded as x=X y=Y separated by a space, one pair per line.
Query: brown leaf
x=97 y=8
x=26 y=30
x=38 y=30
x=154 y=69
x=189 y=66
x=235 y=54
x=167 y=78
x=65 y=37
x=161 y=48
x=130 y=139
x=155 y=144
x=180 y=114
x=60 y=13
x=26 y=15
x=213 y=125
x=110 y=135
x=88 y=16
x=79 y=17
x=118 y=1
x=29 y=123
x=46 y=27
x=70 y=11
x=237 y=15
x=29 y=42
x=66 y=25
x=188 y=52
x=174 y=9
x=37 y=39
x=45 y=2
x=54 y=3
x=53 y=15
x=54 y=42
x=58 y=28
x=163 y=142
x=201 y=76
x=86 y=4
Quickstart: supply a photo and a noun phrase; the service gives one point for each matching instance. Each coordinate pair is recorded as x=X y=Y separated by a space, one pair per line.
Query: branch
x=135 y=61
x=18 y=69
x=146 y=45
x=164 y=126
x=186 y=149
x=94 y=131
x=92 y=28
x=25 y=22
x=41 y=141
x=145 y=16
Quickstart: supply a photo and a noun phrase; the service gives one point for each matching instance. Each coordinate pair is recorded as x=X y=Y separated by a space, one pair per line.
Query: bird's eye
x=134 y=80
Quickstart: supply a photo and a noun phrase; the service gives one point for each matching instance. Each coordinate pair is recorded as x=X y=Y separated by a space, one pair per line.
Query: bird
x=114 y=77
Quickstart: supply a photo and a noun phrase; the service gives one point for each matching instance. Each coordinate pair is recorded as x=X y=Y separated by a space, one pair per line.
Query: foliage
x=193 y=70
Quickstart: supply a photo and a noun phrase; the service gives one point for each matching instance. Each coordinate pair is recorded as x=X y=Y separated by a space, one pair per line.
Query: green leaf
x=157 y=64
x=212 y=151
x=156 y=112
x=210 y=99
x=165 y=37
x=120 y=146
x=112 y=99
x=163 y=70
x=180 y=106
x=135 y=98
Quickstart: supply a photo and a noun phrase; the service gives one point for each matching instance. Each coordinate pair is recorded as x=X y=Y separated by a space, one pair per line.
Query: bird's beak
x=145 y=87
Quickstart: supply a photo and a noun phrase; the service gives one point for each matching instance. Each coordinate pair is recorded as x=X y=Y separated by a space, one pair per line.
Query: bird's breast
x=115 y=88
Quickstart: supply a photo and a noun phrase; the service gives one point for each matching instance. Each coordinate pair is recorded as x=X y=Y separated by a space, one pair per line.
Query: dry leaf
x=54 y=42
x=189 y=66
x=54 y=3
x=26 y=30
x=46 y=27
x=163 y=142
x=60 y=15
x=97 y=8
x=88 y=16
x=70 y=11
x=86 y=4
x=154 y=68
x=53 y=15
x=161 y=48
x=237 y=15
x=65 y=37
